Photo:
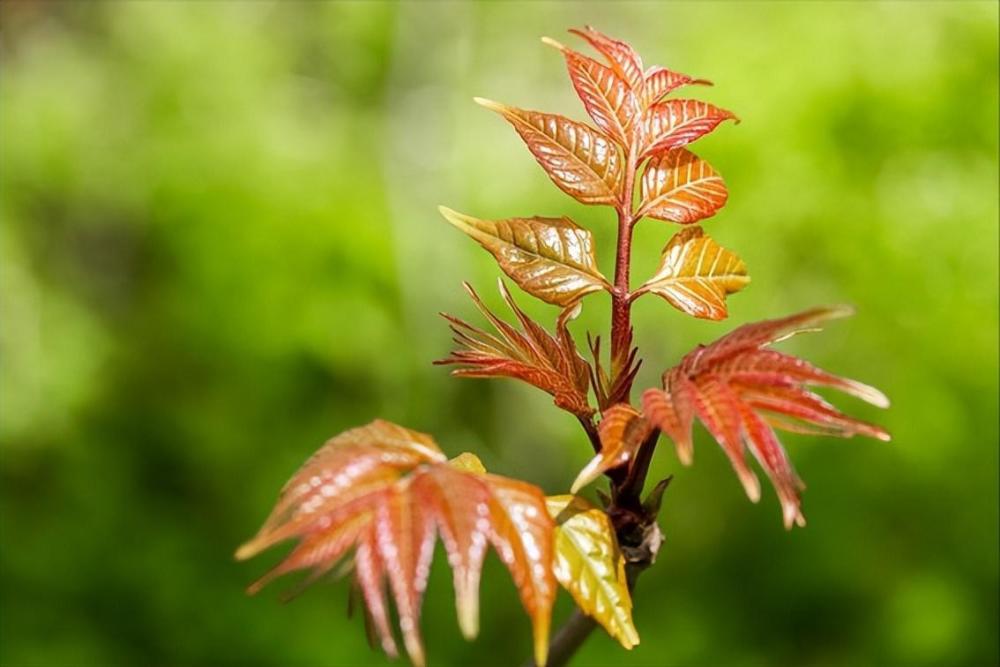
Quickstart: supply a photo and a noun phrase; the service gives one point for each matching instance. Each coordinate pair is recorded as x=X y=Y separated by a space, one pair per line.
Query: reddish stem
x=620 y=304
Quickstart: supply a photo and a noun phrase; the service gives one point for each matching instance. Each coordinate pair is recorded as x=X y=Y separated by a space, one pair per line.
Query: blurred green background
x=220 y=246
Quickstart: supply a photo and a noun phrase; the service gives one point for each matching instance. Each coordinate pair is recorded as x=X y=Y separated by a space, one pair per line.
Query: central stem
x=620 y=304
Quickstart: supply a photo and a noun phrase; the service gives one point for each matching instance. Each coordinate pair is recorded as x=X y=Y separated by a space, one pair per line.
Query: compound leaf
x=741 y=391
x=387 y=492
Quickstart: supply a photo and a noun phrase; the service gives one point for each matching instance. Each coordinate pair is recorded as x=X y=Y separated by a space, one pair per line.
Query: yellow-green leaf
x=590 y=566
x=468 y=462
x=696 y=274
x=550 y=258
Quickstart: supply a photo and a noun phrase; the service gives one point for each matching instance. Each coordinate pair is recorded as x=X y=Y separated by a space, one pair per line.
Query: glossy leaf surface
x=675 y=123
x=622 y=57
x=590 y=566
x=550 y=258
x=622 y=430
x=608 y=98
x=531 y=354
x=696 y=275
x=582 y=161
x=387 y=492
x=741 y=391
x=660 y=81
x=678 y=186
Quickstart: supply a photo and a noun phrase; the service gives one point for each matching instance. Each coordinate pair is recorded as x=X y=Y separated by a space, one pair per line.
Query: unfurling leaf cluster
x=377 y=498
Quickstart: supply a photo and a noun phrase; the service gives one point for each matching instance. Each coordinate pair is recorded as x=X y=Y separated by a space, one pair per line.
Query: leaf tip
x=453 y=217
x=468 y=614
x=247 y=550
x=867 y=393
x=542 y=642
x=792 y=515
x=548 y=41
x=750 y=484
x=837 y=312
x=589 y=473
x=685 y=453
x=490 y=104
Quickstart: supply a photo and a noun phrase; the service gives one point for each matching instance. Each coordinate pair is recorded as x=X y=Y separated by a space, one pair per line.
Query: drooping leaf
x=608 y=98
x=678 y=186
x=550 y=258
x=672 y=411
x=622 y=430
x=622 y=57
x=659 y=81
x=463 y=503
x=521 y=531
x=675 y=123
x=590 y=566
x=696 y=275
x=386 y=492
x=741 y=391
x=548 y=362
x=582 y=161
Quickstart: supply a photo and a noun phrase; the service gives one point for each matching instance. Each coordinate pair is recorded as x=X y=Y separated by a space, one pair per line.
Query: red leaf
x=407 y=494
x=450 y=495
x=622 y=57
x=673 y=412
x=582 y=161
x=622 y=430
x=740 y=391
x=675 y=123
x=522 y=535
x=608 y=98
x=533 y=355
x=659 y=81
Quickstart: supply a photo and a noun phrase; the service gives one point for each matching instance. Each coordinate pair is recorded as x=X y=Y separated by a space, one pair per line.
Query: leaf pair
x=532 y=355
x=387 y=492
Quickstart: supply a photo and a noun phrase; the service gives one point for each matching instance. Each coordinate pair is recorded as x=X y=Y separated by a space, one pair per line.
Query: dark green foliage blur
x=220 y=246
